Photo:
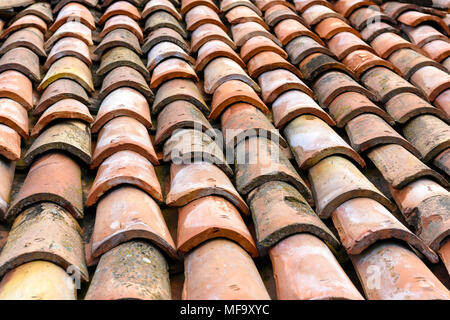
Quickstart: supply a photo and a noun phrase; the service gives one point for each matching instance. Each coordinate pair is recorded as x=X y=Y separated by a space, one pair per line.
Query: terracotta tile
x=310 y=148
x=119 y=38
x=160 y=19
x=421 y=35
x=300 y=255
x=223 y=69
x=170 y=69
x=333 y=83
x=431 y=80
x=280 y=211
x=63 y=109
x=442 y=161
x=345 y=43
x=394 y=8
x=37 y=280
x=294 y=103
x=444 y=253
x=212 y=277
x=316 y=64
x=179 y=89
x=39 y=9
x=431 y=144
x=72 y=136
x=15 y=3
x=123 y=133
x=58 y=90
x=213 y=49
x=442 y=101
x=163 y=5
x=128 y=213
x=410 y=197
x=373 y=30
x=387 y=43
x=25 y=22
x=132 y=270
x=208 y=218
x=123 y=102
x=365 y=16
x=69 y=46
x=124 y=167
x=166 y=50
x=14 y=116
x=187 y=146
x=399 y=167
x=275 y=82
x=193 y=181
x=399 y=270
x=409 y=61
x=120 y=7
x=376 y=78
x=242 y=32
x=71 y=12
x=227 y=5
x=258 y=161
x=123 y=22
x=164 y=34
x=347 y=7
x=335 y=180
x=68 y=67
x=208 y=32
x=137 y=3
x=349 y=105
x=70 y=29
x=125 y=77
x=258 y=44
x=177 y=115
x=243 y=120
x=437 y=50
x=369 y=130
x=414 y=18
x=329 y=27
x=289 y=29
x=358 y=231
x=9 y=143
x=317 y=13
x=263 y=5
x=279 y=12
x=16 y=86
x=301 y=47
x=187 y=5
x=242 y=14
x=268 y=61
x=200 y=15
x=231 y=92
x=302 y=5
x=121 y=57
x=7 y=169
x=30 y=240
x=61 y=3
x=41 y=184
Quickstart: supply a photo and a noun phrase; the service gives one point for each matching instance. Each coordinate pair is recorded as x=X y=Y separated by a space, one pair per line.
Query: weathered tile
x=211 y=276
x=289 y=29
x=7 y=169
x=278 y=13
x=132 y=270
x=208 y=32
x=187 y=5
x=123 y=22
x=123 y=102
x=71 y=12
x=193 y=181
x=14 y=116
x=160 y=19
x=301 y=47
x=241 y=14
x=123 y=133
x=263 y=5
x=167 y=50
x=28 y=21
x=70 y=29
x=9 y=143
x=280 y=211
x=213 y=49
x=121 y=57
x=58 y=5
x=345 y=43
x=39 y=9
x=431 y=80
x=301 y=254
x=335 y=180
x=37 y=280
x=113 y=172
x=398 y=269
x=373 y=30
x=317 y=13
x=258 y=44
x=424 y=34
x=16 y=86
x=227 y=5
x=45 y=232
x=72 y=136
x=386 y=43
x=231 y=92
x=170 y=69
x=165 y=34
x=120 y=8
x=329 y=27
x=69 y=46
x=208 y=218
x=302 y=5
x=414 y=18
x=319 y=63
x=164 y=5
x=346 y=7
x=442 y=161
x=200 y=15
x=437 y=50
x=242 y=32
x=311 y=140
x=442 y=102
x=268 y=61
x=119 y=38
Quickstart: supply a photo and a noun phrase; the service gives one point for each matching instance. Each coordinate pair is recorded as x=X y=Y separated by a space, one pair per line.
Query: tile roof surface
x=225 y=149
